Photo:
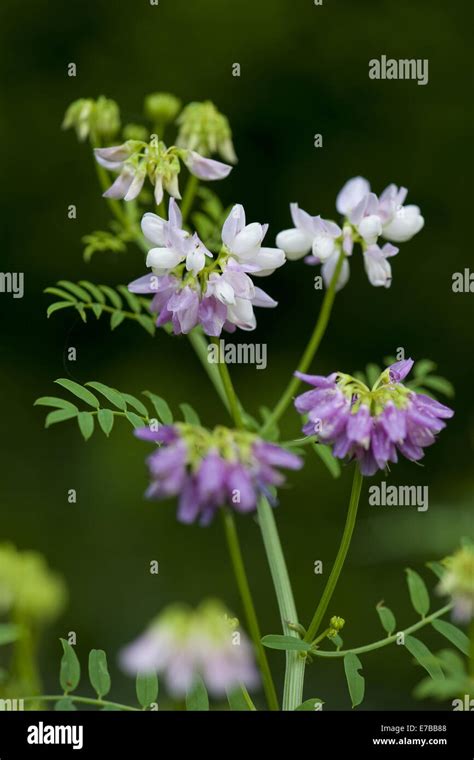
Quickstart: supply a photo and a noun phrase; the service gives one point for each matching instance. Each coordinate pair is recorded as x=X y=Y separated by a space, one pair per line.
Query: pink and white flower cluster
x=191 y=287
x=367 y=218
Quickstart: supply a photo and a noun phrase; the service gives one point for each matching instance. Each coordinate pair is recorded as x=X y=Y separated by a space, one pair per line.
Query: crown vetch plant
x=202 y=281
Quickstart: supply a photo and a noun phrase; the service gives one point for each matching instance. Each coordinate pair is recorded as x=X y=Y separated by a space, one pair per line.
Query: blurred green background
x=304 y=71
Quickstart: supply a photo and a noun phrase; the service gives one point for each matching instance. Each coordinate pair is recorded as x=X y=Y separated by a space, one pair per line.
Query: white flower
x=184 y=644
x=244 y=243
x=172 y=244
x=377 y=267
x=351 y=194
x=406 y=222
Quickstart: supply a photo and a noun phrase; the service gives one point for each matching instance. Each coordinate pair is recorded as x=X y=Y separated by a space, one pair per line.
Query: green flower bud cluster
x=28 y=589
x=336 y=625
x=204 y=129
x=161 y=107
x=99 y=119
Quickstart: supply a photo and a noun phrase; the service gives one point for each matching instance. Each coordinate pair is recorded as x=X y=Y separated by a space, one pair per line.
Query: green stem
x=200 y=345
x=229 y=390
x=294 y=674
x=340 y=558
x=82 y=700
x=471 y=649
x=104 y=181
x=388 y=640
x=310 y=351
x=249 y=608
x=189 y=195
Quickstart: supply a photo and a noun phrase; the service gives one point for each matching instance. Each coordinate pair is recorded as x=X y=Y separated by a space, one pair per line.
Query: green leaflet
x=424 y=657
x=79 y=391
x=453 y=634
x=70 y=669
x=197 y=698
x=287 y=643
x=189 y=414
x=310 y=704
x=161 y=407
x=85 y=421
x=147 y=688
x=110 y=394
x=355 y=682
x=387 y=618
x=98 y=672
x=419 y=596
x=106 y=420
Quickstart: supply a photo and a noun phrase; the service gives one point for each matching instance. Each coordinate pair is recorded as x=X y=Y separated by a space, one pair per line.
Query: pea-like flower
x=99 y=119
x=191 y=287
x=371 y=425
x=366 y=218
x=458 y=582
x=134 y=160
x=212 y=469
x=183 y=644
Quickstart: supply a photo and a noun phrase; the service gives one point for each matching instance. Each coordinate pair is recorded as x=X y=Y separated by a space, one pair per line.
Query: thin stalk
x=310 y=350
x=189 y=195
x=340 y=558
x=82 y=700
x=295 y=664
x=248 y=605
x=229 y=390
x=388 y=640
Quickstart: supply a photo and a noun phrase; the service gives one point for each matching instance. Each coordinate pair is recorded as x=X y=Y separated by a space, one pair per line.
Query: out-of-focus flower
x=98 y=118
x=183 y=644
x=211 y=469
x=458 y=582
x=162 y=107
x=191 y=287
x=371 y=425
x=28 y=589
x=135 y=132
x=136 y=159
x=204 y=129
x=366 y=219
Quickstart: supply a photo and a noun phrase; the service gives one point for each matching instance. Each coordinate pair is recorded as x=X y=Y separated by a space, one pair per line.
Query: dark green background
x=304 y=71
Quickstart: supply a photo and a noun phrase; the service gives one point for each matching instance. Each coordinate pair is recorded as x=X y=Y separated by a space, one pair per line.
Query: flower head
x=192 y=287
x=211 y=469
x=98 y=118
x=183 y=644
x=134 y=160
x=366 y=219
x=204 y=129
x=458 y=582
x=162 y=107
x=28 y=588
x=371 y=425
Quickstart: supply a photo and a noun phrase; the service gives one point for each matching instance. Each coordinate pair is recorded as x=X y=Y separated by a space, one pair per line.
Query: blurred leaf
x=453 y=634
x=135 y=420
x=9 y=633
x=70 y=669
x=147 y=688
x=424 y=657
x=451 y=662
x=237 y=700
x=373 y=372
x=79 y=391
x=419 y=596
x=355 y=682
x=65 y=705
x=113 y=296
x=310 y=704
x=423 y=367
x=99 y=672
x=387 y=618
x=324 y=453
x=86 y=424
x=196 y=698
x=161 y=407
x=106 y=420
x=337 y=641
x=437 y=568
x=110 y=394
x=116 y=319
x=57 y=306
x=288 y=643
x=189 y=414
x=53 y=401
x=440 y=385
x=130 y=298
x=76 y=290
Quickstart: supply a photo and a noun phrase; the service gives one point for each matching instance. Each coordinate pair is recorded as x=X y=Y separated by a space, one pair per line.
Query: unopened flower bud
x=205 y=130
x=161 y=107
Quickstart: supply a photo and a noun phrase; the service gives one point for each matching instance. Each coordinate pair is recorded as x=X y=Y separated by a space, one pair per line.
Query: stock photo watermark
x=384 y=495
x=238 y=353
x=402 y=68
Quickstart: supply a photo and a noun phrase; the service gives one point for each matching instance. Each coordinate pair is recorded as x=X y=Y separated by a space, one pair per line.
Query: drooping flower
x=371 y=425
x=458 y=582
x=134 y=160
x=191 y=287
x=183 y=644
x=204 y=129
x=366 y=219
x=212 y=469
